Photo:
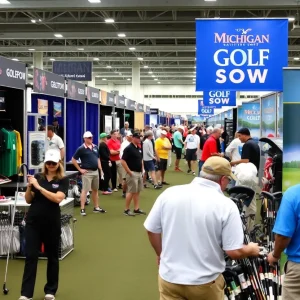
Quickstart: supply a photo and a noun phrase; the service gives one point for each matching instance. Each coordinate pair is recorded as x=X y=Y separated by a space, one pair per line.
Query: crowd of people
x=189 y=236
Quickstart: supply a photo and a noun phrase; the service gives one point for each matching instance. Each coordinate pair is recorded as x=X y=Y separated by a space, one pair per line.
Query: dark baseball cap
x=244 y=131
x=136 y=135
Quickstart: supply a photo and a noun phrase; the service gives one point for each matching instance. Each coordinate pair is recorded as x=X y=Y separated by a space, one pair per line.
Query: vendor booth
x=139 y=116
x=107 y=109
x=154 y=116
x=147 y=115
x=130 y=107
x=12 y=120
x=75 y=117
x=93 y=112
x=119 y=116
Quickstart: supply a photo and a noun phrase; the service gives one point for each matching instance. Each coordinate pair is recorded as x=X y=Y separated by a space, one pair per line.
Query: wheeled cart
x=18 y=241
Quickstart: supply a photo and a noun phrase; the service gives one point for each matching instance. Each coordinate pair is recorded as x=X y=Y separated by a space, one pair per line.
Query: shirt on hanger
x=19 y=148
x=8 y=160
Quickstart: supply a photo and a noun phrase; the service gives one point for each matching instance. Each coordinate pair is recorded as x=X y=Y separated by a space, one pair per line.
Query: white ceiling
x=162 y=31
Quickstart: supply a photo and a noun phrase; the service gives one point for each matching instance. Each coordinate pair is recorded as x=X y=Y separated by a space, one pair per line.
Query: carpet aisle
x=112 y=259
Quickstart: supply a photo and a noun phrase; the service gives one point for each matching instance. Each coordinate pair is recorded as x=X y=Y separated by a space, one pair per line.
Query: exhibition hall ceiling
x=160 y=34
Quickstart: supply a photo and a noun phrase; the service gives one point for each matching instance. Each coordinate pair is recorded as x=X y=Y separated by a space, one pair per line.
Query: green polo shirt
x=8 y=159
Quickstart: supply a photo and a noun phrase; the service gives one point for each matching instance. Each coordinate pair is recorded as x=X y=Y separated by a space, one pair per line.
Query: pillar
x=38 y=58
x=110 y=86
x=136 y=82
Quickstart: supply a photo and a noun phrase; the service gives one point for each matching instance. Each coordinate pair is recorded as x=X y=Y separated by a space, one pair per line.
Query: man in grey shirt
x=149 y=158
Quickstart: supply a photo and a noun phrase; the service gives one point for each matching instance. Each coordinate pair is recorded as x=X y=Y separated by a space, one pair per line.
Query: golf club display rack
x=254 y=278
x=17 y=249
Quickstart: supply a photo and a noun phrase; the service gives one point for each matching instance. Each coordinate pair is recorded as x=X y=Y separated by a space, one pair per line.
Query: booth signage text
x=76 y=90
x=130 y=104
x=12 y=73
x=241 y=54
x=120 y=102
x=93 y=95
x=47 y=83
x=218 y=99
x=75 y=70
x=140 y=107
x=148 y=110
x=154 y=111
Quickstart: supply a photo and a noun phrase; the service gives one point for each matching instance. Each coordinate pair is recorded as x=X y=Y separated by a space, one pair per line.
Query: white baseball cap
x=52 y=155
x=87 y=134
x=129 y=133
x=164 y=132
x=181 y=127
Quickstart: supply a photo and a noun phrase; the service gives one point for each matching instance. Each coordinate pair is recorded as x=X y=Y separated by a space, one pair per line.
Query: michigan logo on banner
x=218 y=99
x=241 y=54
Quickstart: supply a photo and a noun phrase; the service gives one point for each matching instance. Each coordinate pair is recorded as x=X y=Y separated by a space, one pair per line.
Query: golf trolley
x=75 y=188
x=251 y=278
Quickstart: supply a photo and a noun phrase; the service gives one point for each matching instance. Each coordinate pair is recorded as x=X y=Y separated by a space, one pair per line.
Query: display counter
x=18 y=237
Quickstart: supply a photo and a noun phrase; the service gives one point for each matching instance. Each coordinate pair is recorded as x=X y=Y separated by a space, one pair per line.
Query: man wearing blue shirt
x=287 y=230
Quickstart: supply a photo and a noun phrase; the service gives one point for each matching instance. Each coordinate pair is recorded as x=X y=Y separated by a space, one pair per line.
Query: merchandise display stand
x=18 y=251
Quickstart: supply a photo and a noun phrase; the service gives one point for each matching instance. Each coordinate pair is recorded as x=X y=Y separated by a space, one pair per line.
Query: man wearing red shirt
x=114 y=146
x=210 y=147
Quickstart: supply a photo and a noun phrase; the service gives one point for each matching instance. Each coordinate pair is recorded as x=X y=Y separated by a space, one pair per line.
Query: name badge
x=55 y=186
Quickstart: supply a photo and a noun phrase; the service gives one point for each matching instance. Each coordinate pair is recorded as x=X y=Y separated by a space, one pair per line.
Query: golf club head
x=5 y=290
x=242 y=193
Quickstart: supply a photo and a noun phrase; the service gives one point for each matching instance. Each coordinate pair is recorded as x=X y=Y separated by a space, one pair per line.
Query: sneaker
x=82 y=212
x=99 y=210
x=124 y=195
x=139 y=212
x=120 y=186
x=106 y=193
x=165 y=183
x=194 y=174
x=116 y=190
x=157 y=187
x=160 y=185
x=109 y=190
x=145 y=186
x=49 y=297
x=178 y=170
x=24 y=298
x=128 y=213
x=189 y=171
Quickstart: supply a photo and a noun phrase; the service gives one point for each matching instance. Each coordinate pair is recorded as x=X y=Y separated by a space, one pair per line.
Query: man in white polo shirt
x=189 y=227
x=55 y=142
x=192 y=146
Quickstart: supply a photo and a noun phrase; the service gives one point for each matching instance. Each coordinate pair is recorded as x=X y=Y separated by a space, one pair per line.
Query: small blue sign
x=205 y=110
x=241 y=54
x=218 y=99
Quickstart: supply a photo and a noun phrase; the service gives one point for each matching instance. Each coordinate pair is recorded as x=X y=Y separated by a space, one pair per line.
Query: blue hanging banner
x=205 y=110
x=218 y=99
x=241 y=54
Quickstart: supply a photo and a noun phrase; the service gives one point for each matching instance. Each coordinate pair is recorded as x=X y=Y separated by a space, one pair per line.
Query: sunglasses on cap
x=51 y=163
x=89 y=138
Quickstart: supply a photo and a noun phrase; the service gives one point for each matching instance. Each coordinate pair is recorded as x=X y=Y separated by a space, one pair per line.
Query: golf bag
x=75 y=188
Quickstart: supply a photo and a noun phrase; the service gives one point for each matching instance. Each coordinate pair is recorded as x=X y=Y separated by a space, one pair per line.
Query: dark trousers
x=114 y=175
x=104 y=184
x=36 y=235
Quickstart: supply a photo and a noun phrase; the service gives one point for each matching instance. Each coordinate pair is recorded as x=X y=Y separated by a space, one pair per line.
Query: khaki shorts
x=210 y=291
x=90 y=181
x=134 y=182
x=291 y=287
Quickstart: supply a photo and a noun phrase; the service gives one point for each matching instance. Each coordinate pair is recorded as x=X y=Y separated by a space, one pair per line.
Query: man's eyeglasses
x=51 y=163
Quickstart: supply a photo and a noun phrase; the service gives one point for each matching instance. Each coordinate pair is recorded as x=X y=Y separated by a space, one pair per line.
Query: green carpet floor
x=112 y=260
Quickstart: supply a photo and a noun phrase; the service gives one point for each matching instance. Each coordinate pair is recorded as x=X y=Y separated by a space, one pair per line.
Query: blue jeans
x=201 y=163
